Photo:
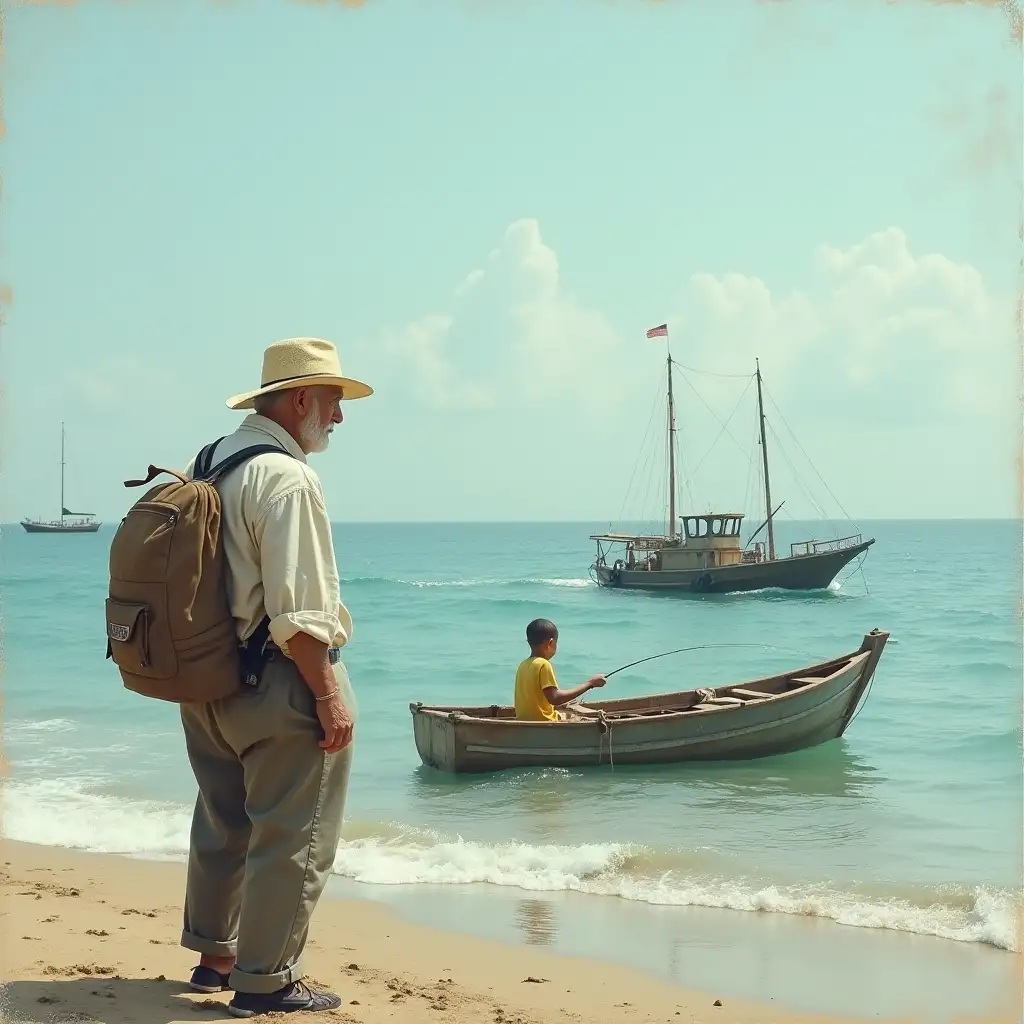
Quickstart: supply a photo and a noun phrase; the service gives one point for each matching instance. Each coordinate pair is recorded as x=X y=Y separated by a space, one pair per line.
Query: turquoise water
x=911 y=822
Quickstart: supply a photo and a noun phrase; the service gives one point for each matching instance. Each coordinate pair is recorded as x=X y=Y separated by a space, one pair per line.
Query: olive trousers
x=266 y=824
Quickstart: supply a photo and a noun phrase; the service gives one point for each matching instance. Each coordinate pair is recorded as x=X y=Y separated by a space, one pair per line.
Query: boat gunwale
x=673 y=742
x=458 y=713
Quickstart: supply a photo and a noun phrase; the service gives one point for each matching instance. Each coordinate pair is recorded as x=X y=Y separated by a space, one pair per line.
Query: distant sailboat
x=85 y=521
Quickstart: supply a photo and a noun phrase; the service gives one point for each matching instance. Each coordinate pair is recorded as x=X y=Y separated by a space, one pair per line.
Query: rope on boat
x=860 y=568
x=862 y=702
x=604 y=726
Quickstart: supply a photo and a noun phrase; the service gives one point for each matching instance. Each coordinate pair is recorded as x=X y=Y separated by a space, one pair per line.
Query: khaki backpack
x=170 y=630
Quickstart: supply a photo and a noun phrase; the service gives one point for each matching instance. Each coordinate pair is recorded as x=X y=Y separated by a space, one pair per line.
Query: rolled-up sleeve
x=300 y=577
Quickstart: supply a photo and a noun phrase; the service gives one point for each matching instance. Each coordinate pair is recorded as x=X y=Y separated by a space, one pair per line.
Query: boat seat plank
x=798 y=682
x=740 y=691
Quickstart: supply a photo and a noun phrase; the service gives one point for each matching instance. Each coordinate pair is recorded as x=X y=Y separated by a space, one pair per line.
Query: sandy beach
x=94 y=937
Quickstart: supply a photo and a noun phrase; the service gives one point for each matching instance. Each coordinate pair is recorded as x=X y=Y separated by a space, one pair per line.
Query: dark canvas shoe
x=206 y=979
x=289 y=999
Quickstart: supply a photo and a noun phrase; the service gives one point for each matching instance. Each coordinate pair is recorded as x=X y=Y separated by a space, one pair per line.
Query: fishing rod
x=699 y=647
x=703 y=647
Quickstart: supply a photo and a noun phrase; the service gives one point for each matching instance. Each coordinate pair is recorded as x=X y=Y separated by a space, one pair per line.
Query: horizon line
x=590 y=522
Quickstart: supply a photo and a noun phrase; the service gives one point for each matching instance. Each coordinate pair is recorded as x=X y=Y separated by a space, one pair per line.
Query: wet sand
x=95 y=937
x=803 y=963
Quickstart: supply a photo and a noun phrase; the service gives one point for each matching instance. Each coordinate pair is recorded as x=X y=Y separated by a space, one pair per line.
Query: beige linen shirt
x=278 y=544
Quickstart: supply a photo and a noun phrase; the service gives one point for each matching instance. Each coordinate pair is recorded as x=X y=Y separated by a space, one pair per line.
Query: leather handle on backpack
x=154 y=472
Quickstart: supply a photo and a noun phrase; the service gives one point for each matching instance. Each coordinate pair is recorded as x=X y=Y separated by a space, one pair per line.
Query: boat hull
x=57 y=528
x=814 y=571
x=812 y=706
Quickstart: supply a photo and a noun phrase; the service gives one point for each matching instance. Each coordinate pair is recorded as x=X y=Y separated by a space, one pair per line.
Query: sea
x=911 y=823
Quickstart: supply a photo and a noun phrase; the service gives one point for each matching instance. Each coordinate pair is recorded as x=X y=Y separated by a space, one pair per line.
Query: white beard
x=315 y=434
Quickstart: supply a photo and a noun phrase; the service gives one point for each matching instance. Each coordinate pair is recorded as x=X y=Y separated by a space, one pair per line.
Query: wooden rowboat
x=774 y=715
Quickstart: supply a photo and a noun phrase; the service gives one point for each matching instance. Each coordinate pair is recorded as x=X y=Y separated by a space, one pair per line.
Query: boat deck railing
x=640 y=542
x=814 y=547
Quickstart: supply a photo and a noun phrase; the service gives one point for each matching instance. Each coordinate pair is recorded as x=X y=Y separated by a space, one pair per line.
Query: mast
x=62 y=472
x=661 y=331
x=671 y=451
x=764 y=458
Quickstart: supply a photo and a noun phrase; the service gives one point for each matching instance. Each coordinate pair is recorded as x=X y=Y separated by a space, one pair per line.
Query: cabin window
x=691 y=527
x=716 y=526
x=702 y=527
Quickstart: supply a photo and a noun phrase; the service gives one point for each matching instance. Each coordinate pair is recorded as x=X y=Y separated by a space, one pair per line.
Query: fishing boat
x=84 y=522
x=774 y=715
x=707 y=555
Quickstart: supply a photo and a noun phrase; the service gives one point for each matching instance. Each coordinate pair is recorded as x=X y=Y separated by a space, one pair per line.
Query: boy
x=537 y=694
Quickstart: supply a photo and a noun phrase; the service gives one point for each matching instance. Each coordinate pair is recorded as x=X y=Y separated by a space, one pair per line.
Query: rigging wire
x=796 y=476
x=654 y=454
x=651 y=454
x=643 y=446
x=754 y=474
x=806 y=456
x=748 y=486
x=725 y=426
x=657 y=508
x=683 y=472
x=653 y=508
x=709 y=373
x=638 y=508
x=686 y=475
x=710 y=410
x=863 y=576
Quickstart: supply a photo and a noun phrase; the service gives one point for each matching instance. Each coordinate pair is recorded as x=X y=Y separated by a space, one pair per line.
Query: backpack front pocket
x=138 y=634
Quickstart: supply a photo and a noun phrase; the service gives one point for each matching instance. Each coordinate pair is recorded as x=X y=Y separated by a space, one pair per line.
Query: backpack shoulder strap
x=237 y=459
x=203 y=461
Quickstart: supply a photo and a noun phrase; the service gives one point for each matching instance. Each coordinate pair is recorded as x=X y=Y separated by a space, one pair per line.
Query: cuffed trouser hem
x=264 y=984
x=211 y=947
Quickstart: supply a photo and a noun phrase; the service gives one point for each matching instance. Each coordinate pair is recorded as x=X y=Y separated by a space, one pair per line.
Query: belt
x=333 y=653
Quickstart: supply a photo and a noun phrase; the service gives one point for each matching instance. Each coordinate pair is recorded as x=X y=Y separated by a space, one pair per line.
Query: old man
x=272 y=762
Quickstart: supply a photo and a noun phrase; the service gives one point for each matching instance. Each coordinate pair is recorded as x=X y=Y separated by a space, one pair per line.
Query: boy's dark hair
x=540 y=631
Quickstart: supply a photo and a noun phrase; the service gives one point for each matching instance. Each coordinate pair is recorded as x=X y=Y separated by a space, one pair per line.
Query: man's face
x=322 y=411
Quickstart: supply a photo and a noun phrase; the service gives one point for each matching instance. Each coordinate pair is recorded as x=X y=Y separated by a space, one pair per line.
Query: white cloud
x=910 y=335
x=512 y=337
x=872 y=320
x=891 y=366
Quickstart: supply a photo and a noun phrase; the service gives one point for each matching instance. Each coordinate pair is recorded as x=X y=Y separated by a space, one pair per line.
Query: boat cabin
x=706 y=541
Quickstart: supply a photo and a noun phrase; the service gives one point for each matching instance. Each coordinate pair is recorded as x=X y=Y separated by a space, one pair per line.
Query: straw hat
x=300 y=362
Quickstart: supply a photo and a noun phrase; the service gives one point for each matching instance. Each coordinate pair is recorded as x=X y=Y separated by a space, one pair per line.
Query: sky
x=485 y=205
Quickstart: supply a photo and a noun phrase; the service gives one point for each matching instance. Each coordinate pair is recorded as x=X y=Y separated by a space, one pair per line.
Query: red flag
x=658 y=332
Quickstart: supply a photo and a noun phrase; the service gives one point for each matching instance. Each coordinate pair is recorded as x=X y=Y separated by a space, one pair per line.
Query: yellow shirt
x=533 y=677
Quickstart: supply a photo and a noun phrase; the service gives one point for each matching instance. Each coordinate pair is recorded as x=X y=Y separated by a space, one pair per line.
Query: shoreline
x=800 y=962
x=96 y=935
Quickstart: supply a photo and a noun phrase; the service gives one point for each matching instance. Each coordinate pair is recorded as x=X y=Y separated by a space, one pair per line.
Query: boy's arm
x=556 y=697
